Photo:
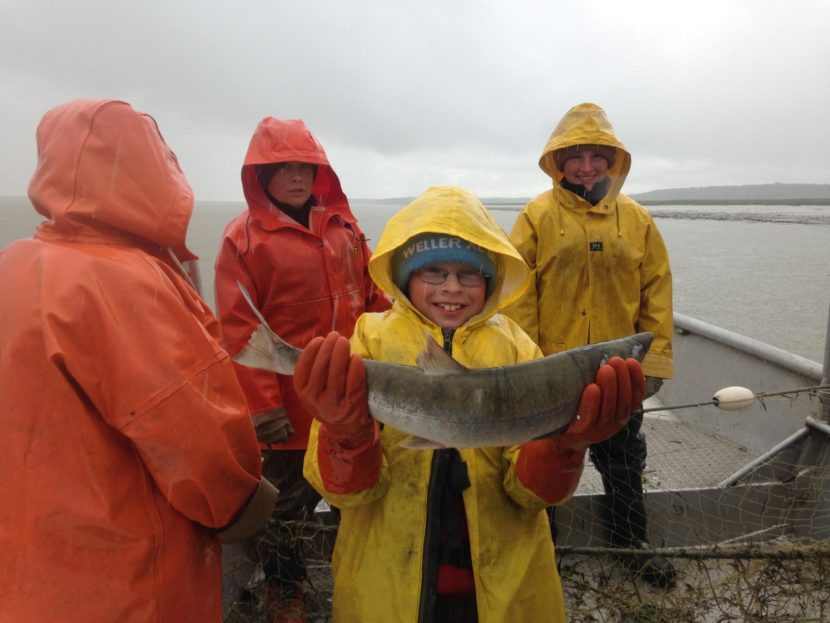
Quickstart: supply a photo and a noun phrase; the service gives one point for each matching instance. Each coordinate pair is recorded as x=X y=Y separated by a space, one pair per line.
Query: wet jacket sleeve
x=238 y=322
x=154 y=373
x=376 y=299
x=345 y=477
x=525 y=311
x=549 y=472
x=656 y=305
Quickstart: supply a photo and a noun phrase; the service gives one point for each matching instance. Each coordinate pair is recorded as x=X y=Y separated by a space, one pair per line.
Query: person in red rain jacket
x=126 y=443
x=299 y=252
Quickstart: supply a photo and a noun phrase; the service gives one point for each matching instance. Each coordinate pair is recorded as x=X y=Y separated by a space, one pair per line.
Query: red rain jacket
x=124 y=430
x=305 y=281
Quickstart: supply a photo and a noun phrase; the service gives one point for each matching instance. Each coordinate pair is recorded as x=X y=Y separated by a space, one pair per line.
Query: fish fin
x=250 y=302
x=419 y=443
x=266 y=350
x=435 y=360
x=255 y=358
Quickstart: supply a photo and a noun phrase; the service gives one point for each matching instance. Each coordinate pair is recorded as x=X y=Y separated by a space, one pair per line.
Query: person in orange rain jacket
x=299 y=252
x=127 y=451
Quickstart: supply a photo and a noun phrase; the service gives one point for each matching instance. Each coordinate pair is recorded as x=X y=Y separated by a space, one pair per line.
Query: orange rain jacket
x=126 y=442
x=305 y=281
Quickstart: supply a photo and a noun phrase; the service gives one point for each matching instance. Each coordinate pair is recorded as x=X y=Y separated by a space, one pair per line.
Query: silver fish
x=448 y=405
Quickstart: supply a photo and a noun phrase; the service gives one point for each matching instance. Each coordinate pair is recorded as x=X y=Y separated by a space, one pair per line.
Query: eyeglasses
x=436 y=276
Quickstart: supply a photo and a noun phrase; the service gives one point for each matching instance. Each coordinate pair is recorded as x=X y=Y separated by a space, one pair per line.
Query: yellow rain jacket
x=600 y=272
x=380 y=559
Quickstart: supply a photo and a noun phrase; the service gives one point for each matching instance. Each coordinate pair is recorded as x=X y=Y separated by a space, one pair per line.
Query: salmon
x=441 y=403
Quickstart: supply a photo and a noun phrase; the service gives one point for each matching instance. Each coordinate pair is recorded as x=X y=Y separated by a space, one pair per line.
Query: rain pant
x=601 y=272
x=306 y=281
x=126 y=442
x=384 y=561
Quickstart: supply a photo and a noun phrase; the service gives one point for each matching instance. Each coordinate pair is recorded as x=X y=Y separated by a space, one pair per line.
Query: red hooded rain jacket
x=126 y=440
x=305 y=281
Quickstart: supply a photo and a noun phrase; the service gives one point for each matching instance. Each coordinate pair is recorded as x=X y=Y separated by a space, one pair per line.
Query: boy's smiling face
x=449 y=304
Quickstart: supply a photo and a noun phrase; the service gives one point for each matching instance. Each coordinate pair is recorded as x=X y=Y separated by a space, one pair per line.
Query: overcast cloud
x=405 y=95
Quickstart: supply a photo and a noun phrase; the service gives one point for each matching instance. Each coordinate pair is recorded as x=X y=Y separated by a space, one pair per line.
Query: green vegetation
x=755 y=194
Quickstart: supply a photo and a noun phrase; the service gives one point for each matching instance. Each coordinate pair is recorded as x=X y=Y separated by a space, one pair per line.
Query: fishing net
x=747 y=530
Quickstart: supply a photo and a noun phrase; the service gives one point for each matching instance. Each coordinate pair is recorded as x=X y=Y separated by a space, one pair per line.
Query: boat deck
x=679 y=456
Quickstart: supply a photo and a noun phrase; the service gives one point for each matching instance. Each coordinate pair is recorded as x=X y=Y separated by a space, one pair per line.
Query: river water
x=761 y=271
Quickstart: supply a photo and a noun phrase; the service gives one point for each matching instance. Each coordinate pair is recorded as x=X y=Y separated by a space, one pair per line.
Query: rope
x=813 y=391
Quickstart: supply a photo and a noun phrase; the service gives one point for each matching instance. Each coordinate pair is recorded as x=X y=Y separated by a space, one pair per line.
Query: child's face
x=291 y=183
x=449 y=304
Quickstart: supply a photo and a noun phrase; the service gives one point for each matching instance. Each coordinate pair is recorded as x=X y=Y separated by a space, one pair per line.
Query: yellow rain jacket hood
x=600 y=272
x=457 y=212
x=586 y=124
x=383 y=565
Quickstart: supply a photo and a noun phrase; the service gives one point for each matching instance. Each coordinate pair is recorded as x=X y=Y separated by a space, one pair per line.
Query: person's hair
x=606 y=151
x=264 y=172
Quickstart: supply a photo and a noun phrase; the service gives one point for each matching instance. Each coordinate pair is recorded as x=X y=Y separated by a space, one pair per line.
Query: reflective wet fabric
x=382 y=569
x=125 y=434
x=600 y=272
x=305 y=281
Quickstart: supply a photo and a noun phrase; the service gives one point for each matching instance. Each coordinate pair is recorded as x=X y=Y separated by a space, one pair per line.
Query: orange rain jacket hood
x=126 y=440
x=306 y=281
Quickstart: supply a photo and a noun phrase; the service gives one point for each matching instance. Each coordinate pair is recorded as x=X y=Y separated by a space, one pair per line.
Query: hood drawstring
x=181 y=267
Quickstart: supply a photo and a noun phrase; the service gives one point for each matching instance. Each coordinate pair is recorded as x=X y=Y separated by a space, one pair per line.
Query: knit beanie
x=429 y=248
x=606 y=151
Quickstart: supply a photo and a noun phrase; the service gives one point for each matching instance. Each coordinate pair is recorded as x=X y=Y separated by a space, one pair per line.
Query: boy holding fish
x=444 y=534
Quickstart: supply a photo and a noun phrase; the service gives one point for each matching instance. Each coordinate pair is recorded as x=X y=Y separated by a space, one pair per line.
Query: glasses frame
x=478 y=278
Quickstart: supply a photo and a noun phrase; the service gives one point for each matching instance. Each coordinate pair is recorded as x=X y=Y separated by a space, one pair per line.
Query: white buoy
x=733 y=398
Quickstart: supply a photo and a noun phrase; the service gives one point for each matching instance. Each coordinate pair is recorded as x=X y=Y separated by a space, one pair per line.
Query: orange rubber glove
x=552 y=467
x=331 y=384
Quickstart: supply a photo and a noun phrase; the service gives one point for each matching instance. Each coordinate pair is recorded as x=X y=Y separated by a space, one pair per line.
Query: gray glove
x=653 y=385
x=272 y=426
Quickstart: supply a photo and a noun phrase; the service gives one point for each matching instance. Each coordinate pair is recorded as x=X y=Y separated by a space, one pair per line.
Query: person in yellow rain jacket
x=447 y=534
x=600 y=272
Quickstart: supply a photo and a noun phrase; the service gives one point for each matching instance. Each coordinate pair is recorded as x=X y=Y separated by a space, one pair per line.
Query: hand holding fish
x=331 y=383
x=606 y=405
x=551 y=467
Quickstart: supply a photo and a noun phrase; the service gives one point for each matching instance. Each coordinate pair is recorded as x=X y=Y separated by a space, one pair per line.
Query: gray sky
x=406 y=95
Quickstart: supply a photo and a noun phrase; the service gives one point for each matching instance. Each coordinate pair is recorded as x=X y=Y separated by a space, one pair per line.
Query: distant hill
x=788 y=194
